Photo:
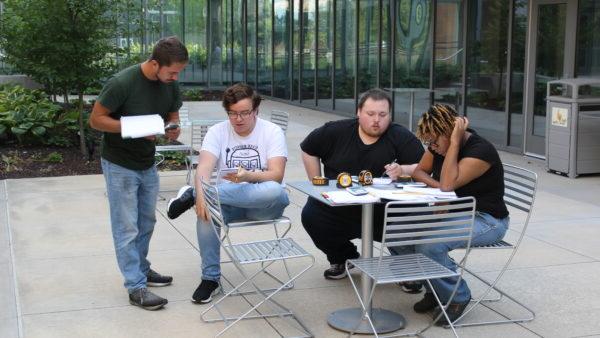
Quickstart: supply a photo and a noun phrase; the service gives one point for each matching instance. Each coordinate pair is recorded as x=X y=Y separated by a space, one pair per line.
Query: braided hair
x=438 y=120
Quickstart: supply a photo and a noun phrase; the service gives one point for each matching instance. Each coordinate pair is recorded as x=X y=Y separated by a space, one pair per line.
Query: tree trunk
x=82 y=144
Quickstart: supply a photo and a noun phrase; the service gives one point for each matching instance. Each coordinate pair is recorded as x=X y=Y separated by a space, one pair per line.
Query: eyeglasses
x=243 y=114
x=431 y=143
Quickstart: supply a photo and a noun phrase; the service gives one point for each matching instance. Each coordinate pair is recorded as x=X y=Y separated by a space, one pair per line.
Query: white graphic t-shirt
x=251 y=152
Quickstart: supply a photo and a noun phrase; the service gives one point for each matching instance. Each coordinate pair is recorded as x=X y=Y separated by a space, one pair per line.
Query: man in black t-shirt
x=369 y=142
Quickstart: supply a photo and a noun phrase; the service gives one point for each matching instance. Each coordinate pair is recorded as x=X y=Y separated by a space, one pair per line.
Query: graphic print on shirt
x=245 y=155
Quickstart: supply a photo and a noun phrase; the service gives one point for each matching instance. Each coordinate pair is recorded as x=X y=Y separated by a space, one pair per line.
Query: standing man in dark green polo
x=128 y=164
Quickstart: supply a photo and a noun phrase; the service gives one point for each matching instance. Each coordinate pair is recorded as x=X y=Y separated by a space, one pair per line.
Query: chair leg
x=265 y=298
x=481 y=300
x=364 y=314
x=442 y=312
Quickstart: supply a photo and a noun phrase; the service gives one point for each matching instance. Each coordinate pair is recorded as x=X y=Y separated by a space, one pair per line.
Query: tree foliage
x=66 y=45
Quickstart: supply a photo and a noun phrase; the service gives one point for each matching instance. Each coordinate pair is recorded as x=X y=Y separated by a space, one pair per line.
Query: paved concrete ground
x=60 y=279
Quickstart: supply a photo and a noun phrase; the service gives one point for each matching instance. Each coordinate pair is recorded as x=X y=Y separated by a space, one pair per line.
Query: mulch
x=27 y=162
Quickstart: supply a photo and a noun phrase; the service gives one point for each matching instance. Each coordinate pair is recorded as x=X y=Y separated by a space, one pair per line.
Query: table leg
x=383 y=320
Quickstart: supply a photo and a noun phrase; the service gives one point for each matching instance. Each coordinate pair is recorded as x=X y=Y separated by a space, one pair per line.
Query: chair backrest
x=281 y=119
x=211 y=200
x=520 y=186
x=184 y=116
x=199 y=131
x=409 y=223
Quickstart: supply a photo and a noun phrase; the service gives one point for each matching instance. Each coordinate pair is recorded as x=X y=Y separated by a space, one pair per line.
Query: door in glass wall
x=308 y=52
x=239 y=40
x=216 y=43
x=551 y=57
x=368 y=44
x=251 y=70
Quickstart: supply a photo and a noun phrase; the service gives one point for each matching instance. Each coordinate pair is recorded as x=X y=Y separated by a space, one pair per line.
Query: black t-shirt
x=340 y=148
x=488 y=189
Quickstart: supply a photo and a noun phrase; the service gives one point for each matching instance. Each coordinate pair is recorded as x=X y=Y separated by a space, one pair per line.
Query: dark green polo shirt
x=130 y=93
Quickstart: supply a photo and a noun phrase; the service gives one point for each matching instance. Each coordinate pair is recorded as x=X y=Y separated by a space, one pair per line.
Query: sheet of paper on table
x=431 y=192
x=344 y=197
x=381 y=180
x=141 y=126
x=398 y=195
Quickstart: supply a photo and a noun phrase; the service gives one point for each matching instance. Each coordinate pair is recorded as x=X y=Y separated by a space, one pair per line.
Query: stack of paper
x=435 y=192
x=141 y=126
x=344 y=197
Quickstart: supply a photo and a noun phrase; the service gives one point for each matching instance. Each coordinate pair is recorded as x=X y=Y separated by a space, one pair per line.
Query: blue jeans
x=486 y=230
x=253 y=201
x=132 y=200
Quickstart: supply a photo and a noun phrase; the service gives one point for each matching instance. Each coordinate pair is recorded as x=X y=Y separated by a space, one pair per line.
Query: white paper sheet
x=141 y=126
x=381 y=180
x=431 y=191
x=344 y=197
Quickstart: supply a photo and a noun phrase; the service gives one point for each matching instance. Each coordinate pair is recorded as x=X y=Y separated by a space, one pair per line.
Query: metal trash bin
x=573 y=126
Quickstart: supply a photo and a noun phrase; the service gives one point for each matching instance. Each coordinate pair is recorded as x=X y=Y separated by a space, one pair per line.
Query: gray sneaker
x=146 y=299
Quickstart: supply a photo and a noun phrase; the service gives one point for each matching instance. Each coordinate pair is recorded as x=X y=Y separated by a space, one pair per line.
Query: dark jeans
x=332 y=228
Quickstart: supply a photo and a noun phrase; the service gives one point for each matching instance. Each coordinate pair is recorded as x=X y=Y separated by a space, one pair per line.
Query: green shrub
x=54 y=157
x=30 y=118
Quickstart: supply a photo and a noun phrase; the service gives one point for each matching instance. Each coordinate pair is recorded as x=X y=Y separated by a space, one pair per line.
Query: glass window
x=216 y=43
x=345 y=49
x=171 y=11
x=588 y=38
x=385 y=80
x=238 y=41
x=325 y=53
x=449 y=51
x=519 y=35
x=368 y=44
x=486 y=68
x=308 y=51
x=264 y=46
x=281 y=46
x=226 y=41
x=196 y=41
x=251 y=43
x=296 y=49
x=412 y=59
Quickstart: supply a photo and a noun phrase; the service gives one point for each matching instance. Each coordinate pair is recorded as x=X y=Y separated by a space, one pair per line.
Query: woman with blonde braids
x=458 y=159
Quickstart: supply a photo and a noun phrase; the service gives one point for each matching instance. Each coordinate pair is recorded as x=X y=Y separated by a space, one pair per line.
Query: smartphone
x=357 y=191
x=410 y=184
x=171 y=126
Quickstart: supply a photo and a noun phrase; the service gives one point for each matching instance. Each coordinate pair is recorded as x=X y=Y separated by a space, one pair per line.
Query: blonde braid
x=437 y=120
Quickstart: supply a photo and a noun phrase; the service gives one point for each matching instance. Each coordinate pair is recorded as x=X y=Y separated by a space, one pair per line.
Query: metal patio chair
x=409 y=224
x=281 y=119
x=198 y=132
x=520 y=187
x=265 y=253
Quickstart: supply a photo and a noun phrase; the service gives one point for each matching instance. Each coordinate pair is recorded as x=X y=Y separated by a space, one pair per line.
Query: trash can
x=573 y=126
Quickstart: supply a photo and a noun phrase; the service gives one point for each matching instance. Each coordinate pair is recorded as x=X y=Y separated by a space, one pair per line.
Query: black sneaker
x=154 y=278
x=146 y=299
x=411 y=287
x=426 y=304
x=454 y=311
x=205 y=291
x=181 y=203
x=337 y=271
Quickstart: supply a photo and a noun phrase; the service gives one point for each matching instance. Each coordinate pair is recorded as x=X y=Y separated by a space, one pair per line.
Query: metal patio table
x=346 y=319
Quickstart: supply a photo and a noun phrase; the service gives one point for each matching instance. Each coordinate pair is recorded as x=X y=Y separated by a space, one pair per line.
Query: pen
x=386 y=172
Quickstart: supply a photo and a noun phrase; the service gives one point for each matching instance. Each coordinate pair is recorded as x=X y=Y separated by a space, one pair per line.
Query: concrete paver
x=68 y=283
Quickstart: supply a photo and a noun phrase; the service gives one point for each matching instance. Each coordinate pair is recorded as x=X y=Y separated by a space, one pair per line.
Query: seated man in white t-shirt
x=257 y=149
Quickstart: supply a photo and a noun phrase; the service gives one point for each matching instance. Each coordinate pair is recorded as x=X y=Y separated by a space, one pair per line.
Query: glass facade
x=471 y=54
